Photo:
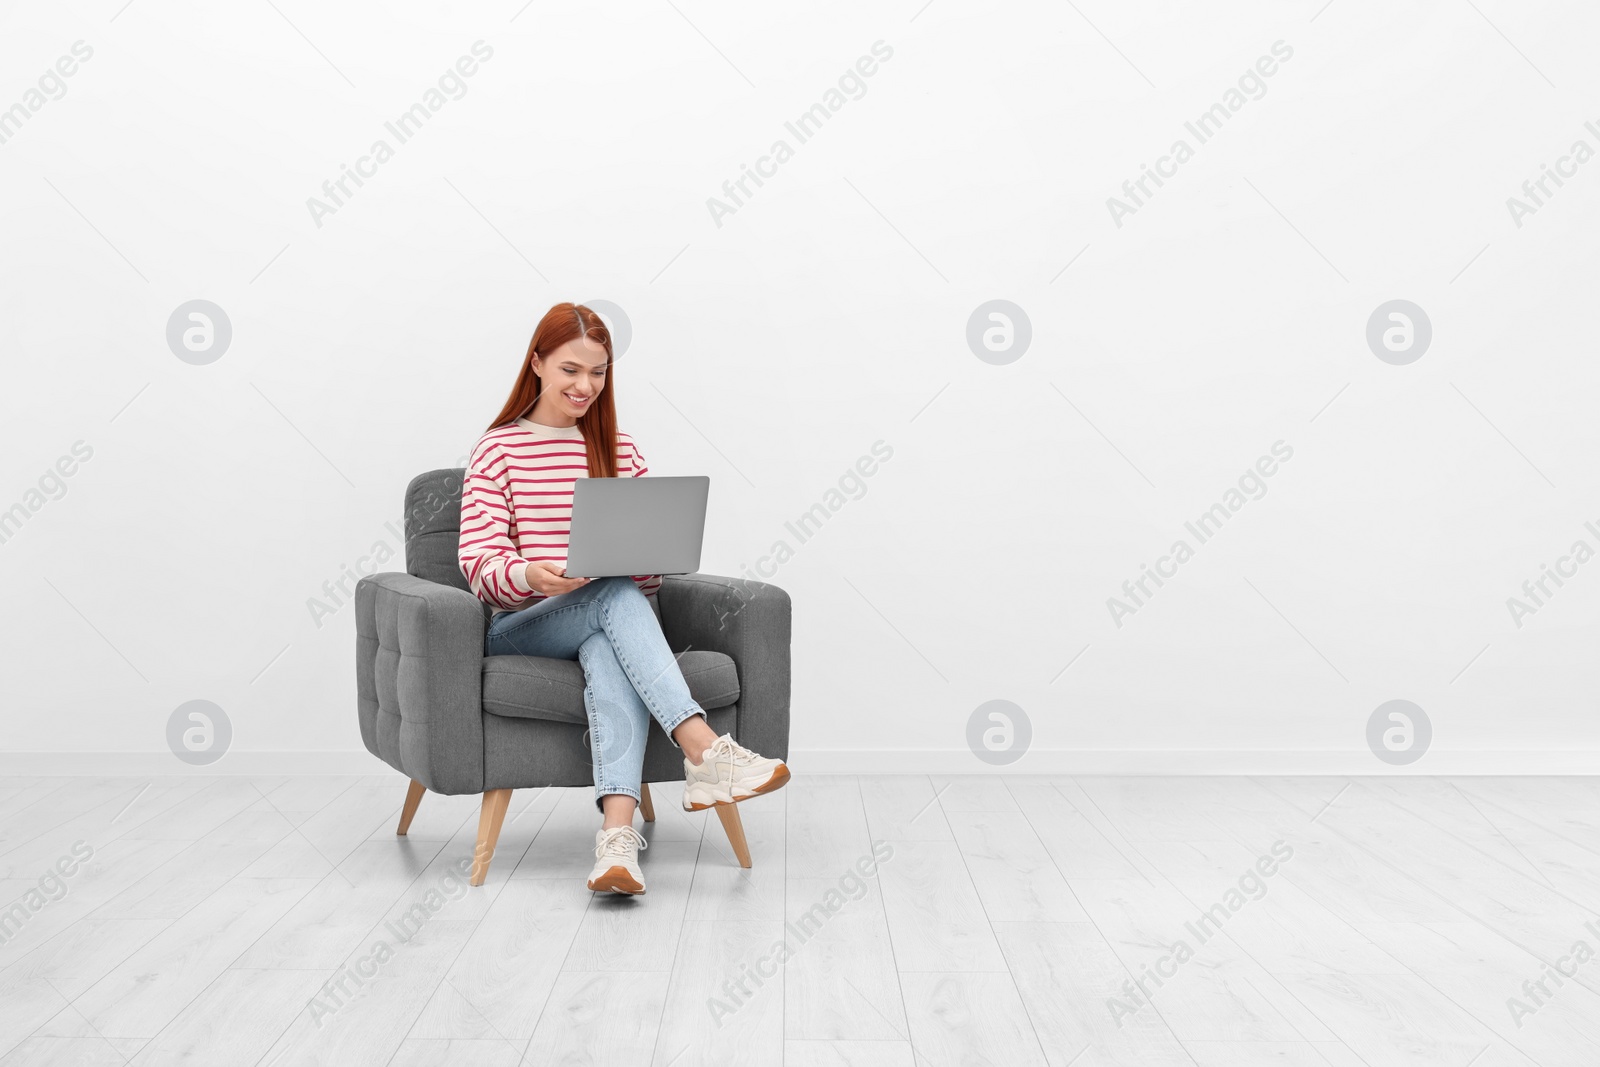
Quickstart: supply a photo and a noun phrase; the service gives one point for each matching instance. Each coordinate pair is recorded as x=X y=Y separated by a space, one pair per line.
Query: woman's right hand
x=548 y=579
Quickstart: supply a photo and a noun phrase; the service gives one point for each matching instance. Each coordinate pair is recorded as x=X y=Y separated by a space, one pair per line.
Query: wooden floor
x=1006 y=920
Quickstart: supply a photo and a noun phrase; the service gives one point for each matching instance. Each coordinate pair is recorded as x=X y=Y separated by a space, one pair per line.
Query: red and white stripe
x=516 y=506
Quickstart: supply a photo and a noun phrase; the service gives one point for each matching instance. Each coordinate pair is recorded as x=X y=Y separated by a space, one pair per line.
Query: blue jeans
x=630 y=672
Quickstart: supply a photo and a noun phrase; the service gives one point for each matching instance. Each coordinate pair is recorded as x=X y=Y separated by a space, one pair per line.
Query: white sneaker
x=616 y=865
x=729 y=773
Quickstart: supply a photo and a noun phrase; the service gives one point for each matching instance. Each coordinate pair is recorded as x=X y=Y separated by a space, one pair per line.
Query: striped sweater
x=516 y=505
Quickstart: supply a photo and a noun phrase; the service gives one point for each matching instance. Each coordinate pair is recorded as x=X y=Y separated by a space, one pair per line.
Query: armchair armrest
x=419 y=679
x=749 y=621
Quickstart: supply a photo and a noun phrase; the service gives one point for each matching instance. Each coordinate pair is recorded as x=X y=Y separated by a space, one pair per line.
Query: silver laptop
x=644 y=525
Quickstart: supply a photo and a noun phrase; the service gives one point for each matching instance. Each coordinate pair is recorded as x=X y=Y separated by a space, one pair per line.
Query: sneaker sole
x=616 y=880
x=779 y=778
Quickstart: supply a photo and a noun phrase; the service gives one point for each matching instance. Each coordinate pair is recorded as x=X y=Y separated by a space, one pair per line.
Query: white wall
x=827 y=313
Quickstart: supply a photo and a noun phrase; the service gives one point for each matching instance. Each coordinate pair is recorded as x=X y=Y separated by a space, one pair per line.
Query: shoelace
x=727 y=746
x=615 y=843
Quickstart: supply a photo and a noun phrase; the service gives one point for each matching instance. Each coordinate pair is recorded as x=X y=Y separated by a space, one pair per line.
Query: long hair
x=563 y=323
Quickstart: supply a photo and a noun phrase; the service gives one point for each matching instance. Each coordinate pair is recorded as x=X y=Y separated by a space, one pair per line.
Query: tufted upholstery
x=419 y=655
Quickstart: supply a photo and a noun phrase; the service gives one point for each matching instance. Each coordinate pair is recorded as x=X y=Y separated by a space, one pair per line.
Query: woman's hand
x=549 y=579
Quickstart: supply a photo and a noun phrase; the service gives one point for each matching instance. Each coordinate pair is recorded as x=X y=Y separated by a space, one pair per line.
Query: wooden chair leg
x=495 y=802
x=729 y=814
x=413 y=798
x=645 y=805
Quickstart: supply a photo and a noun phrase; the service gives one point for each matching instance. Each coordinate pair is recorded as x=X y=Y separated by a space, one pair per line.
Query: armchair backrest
x=433 y=527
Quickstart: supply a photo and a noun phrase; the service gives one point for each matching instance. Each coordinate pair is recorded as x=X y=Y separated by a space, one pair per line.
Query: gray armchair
x=453 y=720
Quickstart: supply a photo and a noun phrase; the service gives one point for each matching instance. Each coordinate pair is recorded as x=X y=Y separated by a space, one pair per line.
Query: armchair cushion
x=533 y=687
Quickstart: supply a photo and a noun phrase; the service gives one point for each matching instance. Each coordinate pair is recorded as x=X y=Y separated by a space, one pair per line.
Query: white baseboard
x=1145 y=761
x=135 y=764
x=884 y=761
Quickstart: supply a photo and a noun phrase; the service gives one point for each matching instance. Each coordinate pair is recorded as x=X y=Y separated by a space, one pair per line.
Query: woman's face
x=572 y=376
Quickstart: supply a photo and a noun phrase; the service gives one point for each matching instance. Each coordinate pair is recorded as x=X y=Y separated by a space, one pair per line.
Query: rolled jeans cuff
x=603 y=791
x=693 y=709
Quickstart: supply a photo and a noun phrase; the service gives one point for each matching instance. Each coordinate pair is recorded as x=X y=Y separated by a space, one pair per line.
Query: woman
x=558 y=425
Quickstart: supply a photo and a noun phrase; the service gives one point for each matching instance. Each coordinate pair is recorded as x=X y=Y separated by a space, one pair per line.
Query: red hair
x=561 y=324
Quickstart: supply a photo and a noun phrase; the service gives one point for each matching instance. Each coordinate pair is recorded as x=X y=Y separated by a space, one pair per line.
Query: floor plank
x=1353 y=922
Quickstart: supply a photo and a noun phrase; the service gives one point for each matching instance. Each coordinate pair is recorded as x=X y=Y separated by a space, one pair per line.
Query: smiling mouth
x=576 y=401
